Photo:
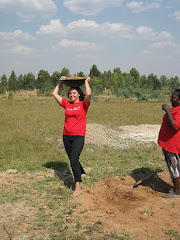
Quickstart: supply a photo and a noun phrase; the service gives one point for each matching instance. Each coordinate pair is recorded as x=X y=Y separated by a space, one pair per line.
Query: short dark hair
x=178 y=92
x=79 y=90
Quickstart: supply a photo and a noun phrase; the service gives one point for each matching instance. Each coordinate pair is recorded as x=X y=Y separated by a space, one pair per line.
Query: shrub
x=10 y=95
x=142 y=97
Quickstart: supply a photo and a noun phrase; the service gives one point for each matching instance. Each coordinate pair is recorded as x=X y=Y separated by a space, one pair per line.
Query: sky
x=52 y=34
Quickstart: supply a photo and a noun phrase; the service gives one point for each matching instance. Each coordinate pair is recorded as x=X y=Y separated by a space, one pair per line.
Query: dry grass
x=121 y=112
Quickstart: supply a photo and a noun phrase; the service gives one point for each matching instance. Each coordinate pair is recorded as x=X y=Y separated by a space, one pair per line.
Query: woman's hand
x=165 y=107
x=170 y=118
x=88 y=79
x=62 y=78
x=61 y=81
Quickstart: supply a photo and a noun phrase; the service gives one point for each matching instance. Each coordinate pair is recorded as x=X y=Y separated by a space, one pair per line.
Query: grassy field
x=31 y=129
x=31 y=126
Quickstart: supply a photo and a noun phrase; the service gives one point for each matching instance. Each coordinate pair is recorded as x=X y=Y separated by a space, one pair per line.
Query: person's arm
x=55 y=92
x=87 y=97
x=166 y=108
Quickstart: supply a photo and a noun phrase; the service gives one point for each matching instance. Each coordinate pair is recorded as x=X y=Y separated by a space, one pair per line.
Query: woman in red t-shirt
x=74 y=127
x=169 y=141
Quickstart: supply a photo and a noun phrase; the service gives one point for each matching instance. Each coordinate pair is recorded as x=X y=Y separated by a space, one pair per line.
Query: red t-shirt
x=75 y=118
x=170 y=139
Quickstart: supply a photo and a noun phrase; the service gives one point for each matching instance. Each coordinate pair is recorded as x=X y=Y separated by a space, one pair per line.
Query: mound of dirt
x=140 y=211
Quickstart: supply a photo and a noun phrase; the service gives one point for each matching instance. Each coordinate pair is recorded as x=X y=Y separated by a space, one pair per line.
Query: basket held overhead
x=74 y=81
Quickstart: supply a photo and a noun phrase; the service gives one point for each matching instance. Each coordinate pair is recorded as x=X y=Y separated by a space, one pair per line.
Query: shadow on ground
x=62 y=171
x=148 y=177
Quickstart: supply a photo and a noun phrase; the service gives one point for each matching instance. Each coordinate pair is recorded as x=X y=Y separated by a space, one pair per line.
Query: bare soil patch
x=140 y=211
x=121 y=137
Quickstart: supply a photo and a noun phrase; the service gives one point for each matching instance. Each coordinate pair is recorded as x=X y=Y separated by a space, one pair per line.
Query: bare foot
x=78 y=190
x=77 y=194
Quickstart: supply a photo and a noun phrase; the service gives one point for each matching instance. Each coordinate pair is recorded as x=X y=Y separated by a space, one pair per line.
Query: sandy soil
x=140 y=211
x=114 y=203
x=121 y=137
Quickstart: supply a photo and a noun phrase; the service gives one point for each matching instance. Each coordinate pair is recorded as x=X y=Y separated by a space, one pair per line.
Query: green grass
x=148 y=212
x=121 y=112
x=173 y=234
x=31 y=128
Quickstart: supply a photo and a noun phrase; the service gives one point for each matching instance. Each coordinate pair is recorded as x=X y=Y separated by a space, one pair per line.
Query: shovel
x=145 y=178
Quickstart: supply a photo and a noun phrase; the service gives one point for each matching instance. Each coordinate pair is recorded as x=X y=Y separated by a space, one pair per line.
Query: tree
x=143 y=82
x=65 y=72
x=55 y=78
x=44 y=83
x=94 y=72
x=12 y=84
x=153 y=82
x=80 y=74
x=20 y=82
x=135 y=75
x=97 y=85
x=29 y=81
x=117 y=70
x=174 y=83
x=3 y=84
x=156 y=83
x=106 y=79
x=128 y=79
x=164 y=81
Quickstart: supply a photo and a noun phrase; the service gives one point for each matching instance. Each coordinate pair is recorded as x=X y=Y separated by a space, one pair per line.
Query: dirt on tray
x=113 y=204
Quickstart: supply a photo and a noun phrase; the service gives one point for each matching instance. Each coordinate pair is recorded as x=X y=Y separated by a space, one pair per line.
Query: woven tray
x=74 y=81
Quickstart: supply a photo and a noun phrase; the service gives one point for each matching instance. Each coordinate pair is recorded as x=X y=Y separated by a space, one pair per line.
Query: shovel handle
x=145 y=178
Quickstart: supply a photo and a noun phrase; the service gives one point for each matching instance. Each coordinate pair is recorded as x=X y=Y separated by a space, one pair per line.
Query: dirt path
x=121 y=137
x=112 y=204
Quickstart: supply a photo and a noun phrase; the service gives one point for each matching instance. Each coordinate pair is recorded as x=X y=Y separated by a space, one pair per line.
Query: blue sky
x=52 y=34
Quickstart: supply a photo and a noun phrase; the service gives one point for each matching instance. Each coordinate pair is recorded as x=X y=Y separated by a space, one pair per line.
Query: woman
x=169 y=141
x=74 y=127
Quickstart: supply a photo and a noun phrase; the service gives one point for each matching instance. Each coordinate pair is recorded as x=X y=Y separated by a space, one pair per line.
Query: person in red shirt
x=169 y=141
x=74 y=127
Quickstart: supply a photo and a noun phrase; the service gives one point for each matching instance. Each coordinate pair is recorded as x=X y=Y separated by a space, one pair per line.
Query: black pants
x=74 y=146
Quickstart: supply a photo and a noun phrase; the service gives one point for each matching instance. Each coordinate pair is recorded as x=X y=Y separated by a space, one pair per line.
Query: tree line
x=115 y=82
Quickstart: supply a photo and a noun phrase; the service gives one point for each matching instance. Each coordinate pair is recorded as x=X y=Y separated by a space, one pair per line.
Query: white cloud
x=90 y=29
x=77 y=45
x=54 y=28
x=116 y=30
x=16 y=35
x=28 y=9
x=135 y=6
x=93 y=7
x=141 y=6
x=83 y=24
x=84 y=56
x=115 y=27
x=149 y=33
x=22 y=50
x=167 y=44
x=86 y=28
x=164 y=35
x=177 y=15
x=145 y=31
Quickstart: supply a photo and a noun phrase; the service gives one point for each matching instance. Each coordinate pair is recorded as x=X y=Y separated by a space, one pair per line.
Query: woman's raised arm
x=55 y=92
x=87 y=97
